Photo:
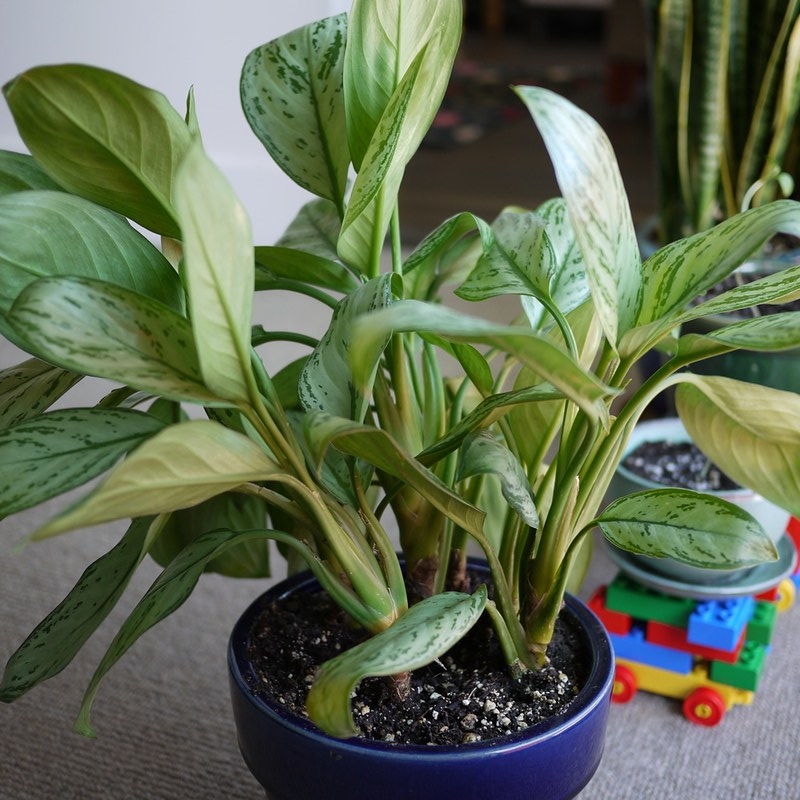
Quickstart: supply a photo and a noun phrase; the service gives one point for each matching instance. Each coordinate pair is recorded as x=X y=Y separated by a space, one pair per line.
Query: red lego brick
x=678 y=639
x=613 y=621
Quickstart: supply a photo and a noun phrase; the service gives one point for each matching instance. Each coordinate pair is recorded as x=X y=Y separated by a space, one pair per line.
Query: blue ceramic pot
x=293 y=760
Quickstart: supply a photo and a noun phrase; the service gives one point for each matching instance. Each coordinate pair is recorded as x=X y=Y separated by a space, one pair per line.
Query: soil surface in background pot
x=466 y=696
x=678 y=464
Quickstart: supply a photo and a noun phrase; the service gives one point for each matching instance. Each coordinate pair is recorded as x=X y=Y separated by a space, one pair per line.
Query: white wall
x=171 y=45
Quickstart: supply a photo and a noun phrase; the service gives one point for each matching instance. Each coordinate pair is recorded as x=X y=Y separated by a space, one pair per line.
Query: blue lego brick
x=719 y=623
x=634 y=647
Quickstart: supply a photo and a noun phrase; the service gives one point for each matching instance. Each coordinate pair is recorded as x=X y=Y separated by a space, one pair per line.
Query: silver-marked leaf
x=47 y=234
x=292 y=96
x=590 y=182
x=103 y=137
x=19 y=172
x=30 y=388
x=53 y=643
x=55 y=452
x=483 y=454
x=530 y=349
x=751 y=432
x=767 y=333
x=100 y=329
x=219 y=274
x=425 y=632
x=180 y=467
x=326 y=382
x=376 y=447
x=692 y=527
x=237 y=512
x=168 y=592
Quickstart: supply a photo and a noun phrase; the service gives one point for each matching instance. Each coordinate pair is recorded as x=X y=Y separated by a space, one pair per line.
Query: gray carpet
x=165 y=730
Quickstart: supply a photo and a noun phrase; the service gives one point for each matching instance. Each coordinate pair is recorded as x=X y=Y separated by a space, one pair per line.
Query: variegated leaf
x=291 y=90
x=219 y=274
x=482 y=454
x=590 y=182
x=751 y=432
x=692 y=527
x=55 y=452
x=425 y=632
x=52 y=645
x=180 y=467
x=30 y=388
x=96 y=328
x=103 y=137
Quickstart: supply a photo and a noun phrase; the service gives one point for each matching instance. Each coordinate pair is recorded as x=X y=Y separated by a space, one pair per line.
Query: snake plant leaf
x=549 y=361
x=692 y=527
x=47 y=234
x=483 y=454
x=291 y=93
x=326 y=383
x=376 y=447
x=99 y=329
x=425 y=632
x=238 y=512
x=53 y=643
x=30 y=388
x=48 y=455
x=179 y=467
x=19 y=172
x=589 y=178
x=219 y=274
x=384 y=41
x=751 y=432
x=103 y=137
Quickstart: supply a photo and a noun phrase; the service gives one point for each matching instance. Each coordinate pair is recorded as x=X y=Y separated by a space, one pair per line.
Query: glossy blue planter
x=292 y=760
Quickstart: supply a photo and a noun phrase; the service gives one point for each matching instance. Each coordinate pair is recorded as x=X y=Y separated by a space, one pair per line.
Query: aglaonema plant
x=313 y=456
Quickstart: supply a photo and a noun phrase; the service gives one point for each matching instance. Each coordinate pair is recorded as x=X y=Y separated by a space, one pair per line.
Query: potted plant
x=534 y=411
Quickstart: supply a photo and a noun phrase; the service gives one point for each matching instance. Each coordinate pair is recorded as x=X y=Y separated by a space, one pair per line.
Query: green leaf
x=768 y=333
x=219 y=274
x=52 y=645
x=326 y=382
x=280 y=267
x=291 y=91
x=99 y=329
x=169 y=591
x=379 y=449
x=751 y=432
x=590 y=181
x=104 y=137
x=483 y=454
x=236 y=512
x=531 y=350
x=695 y=528
x=49 y=234
x=19 y=172
x=314 y=230
x=180 y=467
x=30 y=388
x=55 y=452
x=425 y=632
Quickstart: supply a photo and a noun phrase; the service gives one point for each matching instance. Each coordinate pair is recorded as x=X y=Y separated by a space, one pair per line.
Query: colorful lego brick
x=745 y=673
x=719 y=623
x=613 y=621
x=678 y=639
x=635 y=647
x=629 y=597
x=762 y=623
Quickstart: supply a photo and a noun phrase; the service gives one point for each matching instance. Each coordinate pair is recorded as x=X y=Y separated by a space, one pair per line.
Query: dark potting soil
x=468 y=695
x=677 y=464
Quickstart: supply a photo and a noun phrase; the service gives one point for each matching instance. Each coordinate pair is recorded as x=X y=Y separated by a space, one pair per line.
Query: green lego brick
x=762 y=622
x=745 y=673
x=629 y=597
